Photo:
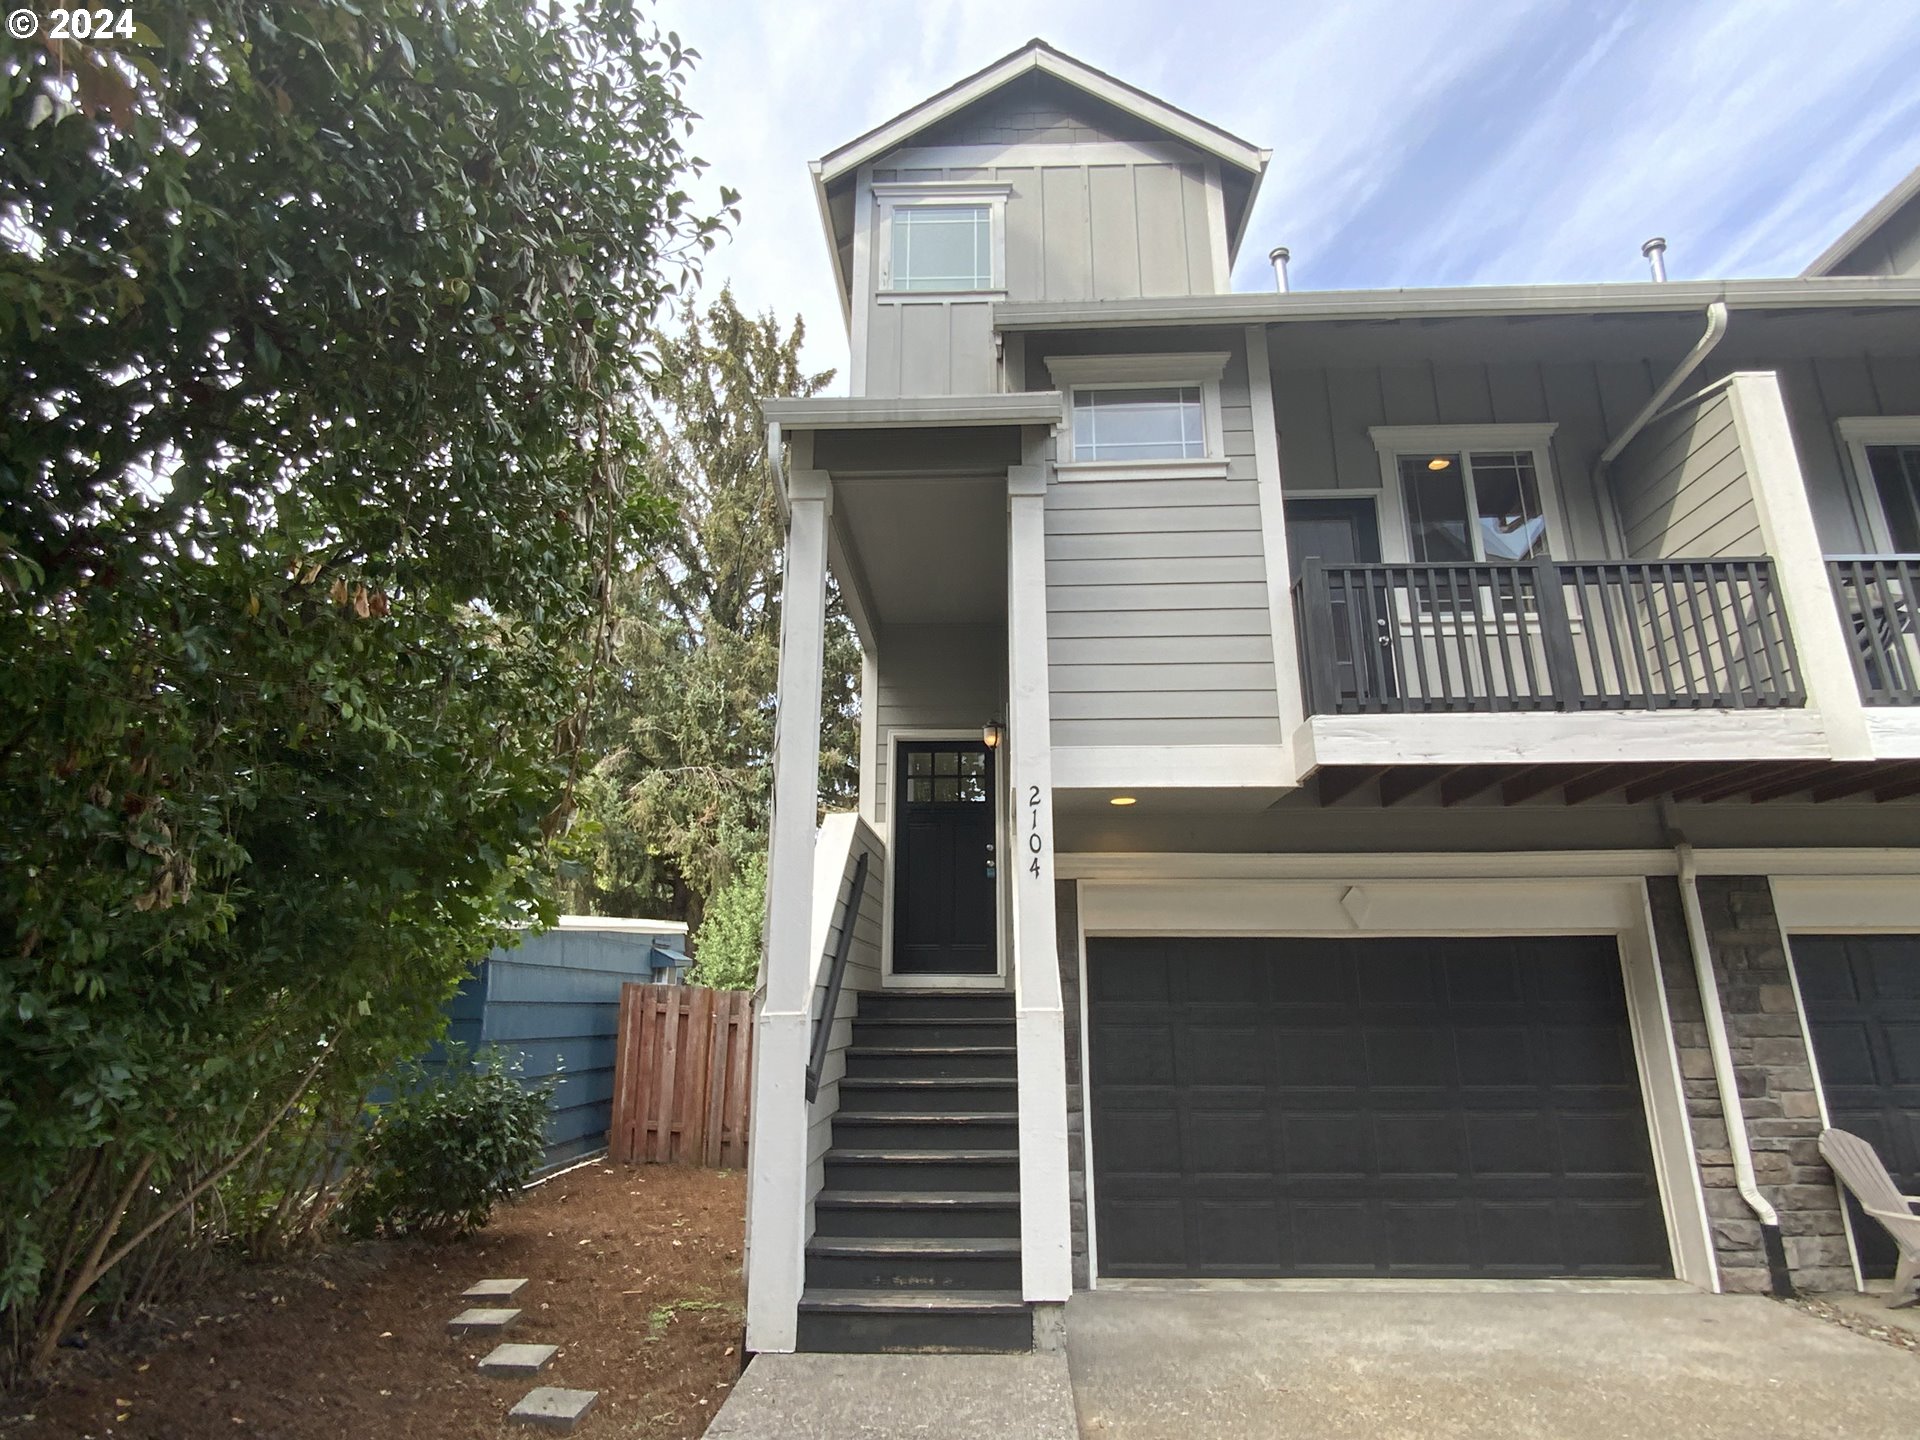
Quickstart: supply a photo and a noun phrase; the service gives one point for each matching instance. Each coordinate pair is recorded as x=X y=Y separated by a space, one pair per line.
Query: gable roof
x=832 y=172
x=1038 y=55
x=1862 y=230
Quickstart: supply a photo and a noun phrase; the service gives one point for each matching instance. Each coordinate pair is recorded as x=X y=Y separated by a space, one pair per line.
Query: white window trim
x=1072 y=373
x=1856 y=433
x=1393 y=441
x=890 y=196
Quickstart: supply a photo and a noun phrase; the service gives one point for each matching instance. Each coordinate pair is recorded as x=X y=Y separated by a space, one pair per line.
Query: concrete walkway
x=899 y=1397
x=1427 y=1366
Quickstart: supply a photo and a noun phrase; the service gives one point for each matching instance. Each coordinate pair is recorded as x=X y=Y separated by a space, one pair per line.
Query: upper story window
x=1469 y=494
x=1157 y=414
x=943 y=247
x=1886 y=465
x=940 y=239
x=1139 y=422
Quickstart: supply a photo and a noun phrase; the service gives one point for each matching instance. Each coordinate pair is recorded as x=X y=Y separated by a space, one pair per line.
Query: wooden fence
x=682 y=1072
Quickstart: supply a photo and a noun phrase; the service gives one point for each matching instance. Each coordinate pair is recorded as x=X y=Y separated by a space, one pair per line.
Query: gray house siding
x=936 y=677
x=1682 y=486
x=1324 y=414
x=1820 y=392
x=1036 y=109
x=1074 y=231
x=1893 y=247
x=1159 y=627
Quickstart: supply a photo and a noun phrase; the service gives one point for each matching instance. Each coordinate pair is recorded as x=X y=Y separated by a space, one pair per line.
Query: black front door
x=1862 y=998
x=1345 y=531
x=943 y=859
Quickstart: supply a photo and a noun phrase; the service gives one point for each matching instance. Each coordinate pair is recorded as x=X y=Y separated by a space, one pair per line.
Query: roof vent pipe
x=1279 y=255
x=1656 y=252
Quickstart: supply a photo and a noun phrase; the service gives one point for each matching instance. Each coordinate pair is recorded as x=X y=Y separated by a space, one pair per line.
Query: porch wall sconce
x=990 y=734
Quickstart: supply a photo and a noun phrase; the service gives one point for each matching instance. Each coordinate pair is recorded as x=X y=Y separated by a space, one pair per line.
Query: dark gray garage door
x=1862 y=998
x=1367 y=1107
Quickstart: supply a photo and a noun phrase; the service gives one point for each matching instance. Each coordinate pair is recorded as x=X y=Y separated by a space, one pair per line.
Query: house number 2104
x=1035 y=843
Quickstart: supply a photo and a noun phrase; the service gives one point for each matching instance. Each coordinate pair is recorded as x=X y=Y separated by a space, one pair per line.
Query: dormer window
x=938 y=239
x=943 y=247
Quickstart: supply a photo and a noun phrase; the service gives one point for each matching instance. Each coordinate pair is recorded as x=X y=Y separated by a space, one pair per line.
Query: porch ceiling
x=1750 y=783
x=923 y=550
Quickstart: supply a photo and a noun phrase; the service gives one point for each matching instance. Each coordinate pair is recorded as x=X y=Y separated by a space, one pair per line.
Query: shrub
x=453 y=1142
x=727 y=953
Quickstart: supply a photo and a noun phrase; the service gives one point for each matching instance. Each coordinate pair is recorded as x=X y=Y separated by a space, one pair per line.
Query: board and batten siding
x=936 y=677
x=1159 y=626
x=1683 y=489
x=1074 y=231
x=1324 y=413
x=1821 y=391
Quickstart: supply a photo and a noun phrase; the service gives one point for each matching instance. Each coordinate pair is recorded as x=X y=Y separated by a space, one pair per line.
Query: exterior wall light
x=990 y=734
x=1439 y=462
x=1123 y=800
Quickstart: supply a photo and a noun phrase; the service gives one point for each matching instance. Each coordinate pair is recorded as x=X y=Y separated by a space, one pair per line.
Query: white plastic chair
x=1861 y=1171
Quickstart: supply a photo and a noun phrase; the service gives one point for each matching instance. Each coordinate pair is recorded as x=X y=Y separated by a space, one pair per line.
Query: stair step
x=971 y=1321
x=920 y=1199
x=966 y=1030
x=934 y=1130
x=917 y=1214
x=916 y=1246
x=931 y=1061
x=895 y=1169
x=936 y=1004
x=873 y=1094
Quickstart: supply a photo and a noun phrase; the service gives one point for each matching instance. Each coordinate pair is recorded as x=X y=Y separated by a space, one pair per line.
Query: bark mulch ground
x=634 y=1272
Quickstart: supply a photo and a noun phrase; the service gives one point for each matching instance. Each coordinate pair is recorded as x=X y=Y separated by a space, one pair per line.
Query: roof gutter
x=1725 y=1082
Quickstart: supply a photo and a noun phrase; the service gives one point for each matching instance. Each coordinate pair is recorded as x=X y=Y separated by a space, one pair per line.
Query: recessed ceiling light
x=1439 y=462
x=1123 y=800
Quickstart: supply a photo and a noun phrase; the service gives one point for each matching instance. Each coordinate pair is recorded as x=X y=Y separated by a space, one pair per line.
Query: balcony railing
x=1879 y=599
x=1543 y=635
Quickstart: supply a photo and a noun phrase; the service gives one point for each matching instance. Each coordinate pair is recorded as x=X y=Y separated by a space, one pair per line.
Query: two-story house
x=1409 y=783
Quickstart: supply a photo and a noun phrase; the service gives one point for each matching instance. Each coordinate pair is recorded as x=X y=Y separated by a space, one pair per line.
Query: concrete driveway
x=1427 y=1365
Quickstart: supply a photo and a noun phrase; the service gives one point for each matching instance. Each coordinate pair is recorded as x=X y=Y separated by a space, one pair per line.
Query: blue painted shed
x=553 y=1001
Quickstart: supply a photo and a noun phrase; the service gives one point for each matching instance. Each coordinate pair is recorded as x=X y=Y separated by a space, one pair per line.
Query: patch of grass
x=661 y=1316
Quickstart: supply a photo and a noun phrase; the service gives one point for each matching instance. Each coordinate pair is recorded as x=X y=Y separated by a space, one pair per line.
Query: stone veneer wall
x=1066 y=902
x=1775 y=1079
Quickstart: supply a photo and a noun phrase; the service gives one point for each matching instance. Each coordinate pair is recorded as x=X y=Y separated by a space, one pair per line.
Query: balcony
x=1545 y=636
x=1879 y=599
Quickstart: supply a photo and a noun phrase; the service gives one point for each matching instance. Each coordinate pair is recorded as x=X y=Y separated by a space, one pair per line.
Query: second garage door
x=1414 y=1107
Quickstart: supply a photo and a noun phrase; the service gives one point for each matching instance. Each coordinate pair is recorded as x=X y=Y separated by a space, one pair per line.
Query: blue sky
x=1415 y=142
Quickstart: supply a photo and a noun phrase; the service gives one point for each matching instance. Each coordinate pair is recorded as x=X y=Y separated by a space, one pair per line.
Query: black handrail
x=1544 y=635
x=1879 y=599
x=836 y=977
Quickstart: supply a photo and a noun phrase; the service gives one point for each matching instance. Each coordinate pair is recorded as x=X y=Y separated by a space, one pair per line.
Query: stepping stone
x=553 y=1408
x=493 y=1290
x=482 y=1319
x=521 y=1360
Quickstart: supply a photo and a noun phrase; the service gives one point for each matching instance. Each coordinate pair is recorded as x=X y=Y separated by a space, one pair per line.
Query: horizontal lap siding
x=1158 y=623
x=1683 y=487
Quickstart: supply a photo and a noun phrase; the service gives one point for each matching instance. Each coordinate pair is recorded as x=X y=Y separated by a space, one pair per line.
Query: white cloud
x=1748 y=133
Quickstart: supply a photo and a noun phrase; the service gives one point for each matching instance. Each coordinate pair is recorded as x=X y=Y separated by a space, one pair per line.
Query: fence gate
x=682 y=1076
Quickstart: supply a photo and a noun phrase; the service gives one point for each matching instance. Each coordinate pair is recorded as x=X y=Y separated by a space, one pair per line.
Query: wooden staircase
x=916 y=1240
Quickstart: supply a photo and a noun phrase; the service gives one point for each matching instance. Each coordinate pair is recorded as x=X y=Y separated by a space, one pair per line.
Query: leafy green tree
x=679 y=800
x=321 y=327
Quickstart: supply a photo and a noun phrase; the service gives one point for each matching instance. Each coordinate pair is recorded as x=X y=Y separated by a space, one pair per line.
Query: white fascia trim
x=799 y=414
x=1396 y=439
x=1837 y=862
x=1546 y=738
x=1177 y=767
x=1208 y=469
x=1192 y=367
x=904 y=127
x=1880 y=429
x=1858 y=233
x=1820 y=904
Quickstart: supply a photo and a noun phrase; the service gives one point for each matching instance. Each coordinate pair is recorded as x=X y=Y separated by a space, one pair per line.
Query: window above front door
x=1468 y=494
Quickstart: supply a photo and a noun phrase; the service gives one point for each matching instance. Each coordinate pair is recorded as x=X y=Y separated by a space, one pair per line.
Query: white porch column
x=1046 y=1245
x=777 y=1151
x=1820 y=638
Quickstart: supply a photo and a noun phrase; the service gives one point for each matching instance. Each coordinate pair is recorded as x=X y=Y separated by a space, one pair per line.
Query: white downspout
x=1723 y=1076
x=1715 y=332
